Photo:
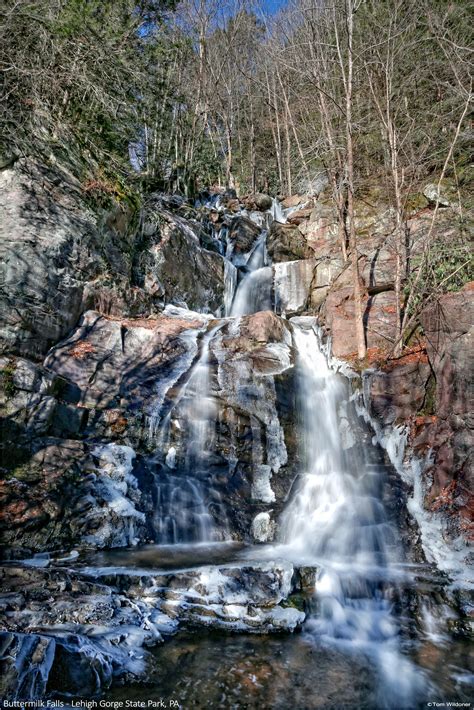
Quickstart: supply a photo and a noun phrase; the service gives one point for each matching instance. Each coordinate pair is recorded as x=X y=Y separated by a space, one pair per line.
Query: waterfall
x=199 y=410
x=336 y=520
x=181 y=501
x=181 y=514
x=230 y=283
x=277 y=212
x=254 y=292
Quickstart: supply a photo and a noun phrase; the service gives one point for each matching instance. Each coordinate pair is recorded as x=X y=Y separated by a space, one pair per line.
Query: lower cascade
x=336 y=521
x=256 y=500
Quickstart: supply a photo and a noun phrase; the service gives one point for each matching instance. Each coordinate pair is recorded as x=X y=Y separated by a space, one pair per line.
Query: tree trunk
x=359 y=323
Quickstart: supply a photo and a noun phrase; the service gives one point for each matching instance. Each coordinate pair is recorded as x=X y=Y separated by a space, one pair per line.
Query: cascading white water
x=254 y=292
x=277 y=212
x=230 y=284
x=199 y=410
x=181 y=510
x=336 y=521
x=181 y=514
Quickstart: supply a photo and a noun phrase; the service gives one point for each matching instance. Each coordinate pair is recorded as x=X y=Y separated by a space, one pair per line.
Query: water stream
x=254 y=292
x=182 y=493
x=335 y=520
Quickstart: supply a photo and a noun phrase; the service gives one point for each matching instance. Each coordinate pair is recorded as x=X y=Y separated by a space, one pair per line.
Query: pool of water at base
x=206 y=669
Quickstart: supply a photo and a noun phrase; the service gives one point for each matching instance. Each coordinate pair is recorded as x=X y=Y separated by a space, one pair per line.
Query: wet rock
x=307 y=577
x=242 y=234
x=285 y=242
x=84 y=635
x=234 y=597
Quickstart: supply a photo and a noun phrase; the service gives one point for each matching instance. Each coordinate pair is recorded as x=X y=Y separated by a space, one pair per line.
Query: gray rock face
x=179 y=271
x=292 y=282
x=60 y=257
x=51 y=245
x=242 y=234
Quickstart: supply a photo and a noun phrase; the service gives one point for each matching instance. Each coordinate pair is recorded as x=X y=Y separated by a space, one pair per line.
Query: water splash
x=336 y=520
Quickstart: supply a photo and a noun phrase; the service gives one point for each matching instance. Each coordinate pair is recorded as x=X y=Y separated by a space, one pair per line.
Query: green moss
x=295 y=601
x=24 y=472
x=415 y=202
x=8 y=379
x=429 y=402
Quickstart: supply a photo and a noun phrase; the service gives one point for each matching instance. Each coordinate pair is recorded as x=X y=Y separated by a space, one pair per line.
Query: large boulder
x=109 y=362
x=178 y=270
x=285 y=242
x=259 y=201
x=242 y=234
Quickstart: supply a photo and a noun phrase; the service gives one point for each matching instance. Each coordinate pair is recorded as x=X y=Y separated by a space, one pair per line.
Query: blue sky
x=273 y=5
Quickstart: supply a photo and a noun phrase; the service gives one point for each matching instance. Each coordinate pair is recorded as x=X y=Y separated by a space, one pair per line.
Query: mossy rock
x=295 y=601
x=7 y=379
x=415 y=202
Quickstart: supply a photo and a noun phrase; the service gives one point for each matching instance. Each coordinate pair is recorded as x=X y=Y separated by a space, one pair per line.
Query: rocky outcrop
x=63 y=252
x=52 y=245
x=422 y=404
x=449 y=330
x=178 y=270
x=105 y=382
x=92 y=626
x=286 y=243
